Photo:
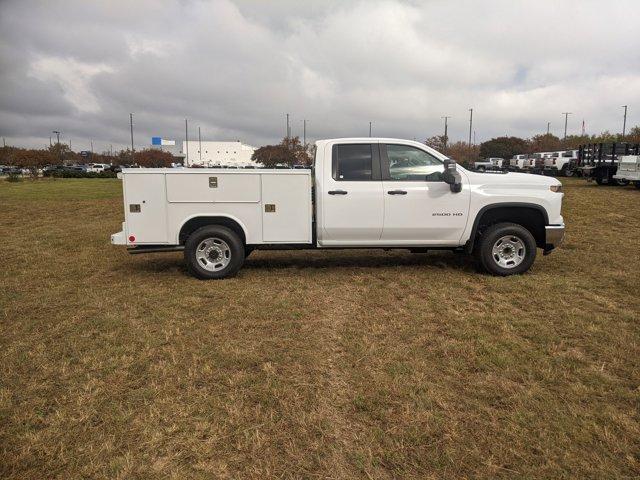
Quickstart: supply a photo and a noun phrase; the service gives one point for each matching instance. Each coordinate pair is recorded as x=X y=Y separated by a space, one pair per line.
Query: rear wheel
x=506 y=249
x=213 y=252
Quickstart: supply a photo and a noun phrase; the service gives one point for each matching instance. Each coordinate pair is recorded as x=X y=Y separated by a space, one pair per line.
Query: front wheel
x=214 y=252
x=506 y=249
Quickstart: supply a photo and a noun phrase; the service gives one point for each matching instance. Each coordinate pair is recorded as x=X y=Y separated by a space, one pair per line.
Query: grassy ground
x=356 y=364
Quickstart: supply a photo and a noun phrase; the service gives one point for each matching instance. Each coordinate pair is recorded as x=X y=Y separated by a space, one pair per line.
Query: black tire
x=223 y=235
x=247 y=251
x=491 y=235
x=600 y=180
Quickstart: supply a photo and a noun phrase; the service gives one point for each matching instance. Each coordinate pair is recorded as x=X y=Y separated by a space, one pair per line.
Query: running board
x=154 y=249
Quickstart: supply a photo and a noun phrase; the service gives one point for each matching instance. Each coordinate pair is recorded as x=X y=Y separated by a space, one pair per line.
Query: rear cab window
x=357 y=162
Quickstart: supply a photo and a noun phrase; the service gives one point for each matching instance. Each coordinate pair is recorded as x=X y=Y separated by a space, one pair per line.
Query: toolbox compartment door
x=145 y=208
x=213 y=187
x=286 y=208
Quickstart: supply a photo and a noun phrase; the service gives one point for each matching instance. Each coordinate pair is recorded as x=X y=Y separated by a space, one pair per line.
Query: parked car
x=98 y=167
x=361 y=193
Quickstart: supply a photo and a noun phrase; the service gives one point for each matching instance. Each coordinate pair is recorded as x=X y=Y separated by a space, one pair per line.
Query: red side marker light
x=132 y=238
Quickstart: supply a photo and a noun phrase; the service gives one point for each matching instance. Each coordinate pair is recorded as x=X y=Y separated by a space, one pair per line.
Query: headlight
x=556 y=188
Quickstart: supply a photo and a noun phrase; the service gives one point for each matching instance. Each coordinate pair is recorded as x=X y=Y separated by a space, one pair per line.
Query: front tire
x=506 y=249
x=213 y=252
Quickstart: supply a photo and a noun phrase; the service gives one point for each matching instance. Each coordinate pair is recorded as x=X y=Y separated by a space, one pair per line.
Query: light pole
x=624 y=122
x=132 y=150
x=566 y=117
x=548 y=125
x=186 y=139
x=288 y=127
x=445 y=130
x=58 y=144
x=304 y=132
x=200 y=144
x=369 y=129
x=470 y=124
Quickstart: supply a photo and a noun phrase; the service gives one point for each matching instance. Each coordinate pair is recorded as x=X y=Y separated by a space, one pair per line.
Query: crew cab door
x=352 y=201
x=420 y=208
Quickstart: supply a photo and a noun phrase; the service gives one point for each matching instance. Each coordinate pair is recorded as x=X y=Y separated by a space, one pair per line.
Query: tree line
x=60 y=153
x=507 y=147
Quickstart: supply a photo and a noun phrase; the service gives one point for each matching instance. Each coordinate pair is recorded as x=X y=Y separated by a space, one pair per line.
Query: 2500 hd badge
x=447 y=214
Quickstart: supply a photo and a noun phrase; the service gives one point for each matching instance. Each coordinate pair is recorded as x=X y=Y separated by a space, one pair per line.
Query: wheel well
x=531 y=218
x=195 y=223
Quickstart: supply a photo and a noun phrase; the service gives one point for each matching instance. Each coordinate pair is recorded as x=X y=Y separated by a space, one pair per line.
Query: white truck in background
x=362 y=193
x=489 y=164
x=628 y=169
x=562 y=163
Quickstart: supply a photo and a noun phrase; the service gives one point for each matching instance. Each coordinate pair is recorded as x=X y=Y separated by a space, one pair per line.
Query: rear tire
x=213 y=252
x=506 y=249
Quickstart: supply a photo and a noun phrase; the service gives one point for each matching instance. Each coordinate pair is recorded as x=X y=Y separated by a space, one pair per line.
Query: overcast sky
x=235 y=68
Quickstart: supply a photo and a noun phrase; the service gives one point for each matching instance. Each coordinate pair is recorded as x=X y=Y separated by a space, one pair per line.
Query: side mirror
x=451 y=176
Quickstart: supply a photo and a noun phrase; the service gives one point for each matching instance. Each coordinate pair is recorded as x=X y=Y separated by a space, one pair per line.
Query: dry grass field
x=354 y=364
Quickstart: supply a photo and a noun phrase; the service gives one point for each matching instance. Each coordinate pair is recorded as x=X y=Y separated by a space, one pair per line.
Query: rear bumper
x=554 y=236
x=119 y=238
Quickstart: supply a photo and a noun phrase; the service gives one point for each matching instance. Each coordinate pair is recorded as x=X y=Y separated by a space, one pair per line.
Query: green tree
x=503 y=147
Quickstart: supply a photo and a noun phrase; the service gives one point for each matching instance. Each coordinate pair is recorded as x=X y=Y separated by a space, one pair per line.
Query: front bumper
x=554 y=236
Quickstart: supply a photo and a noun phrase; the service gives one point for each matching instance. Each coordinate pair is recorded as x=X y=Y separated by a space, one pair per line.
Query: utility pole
x=470 y=124
x=4 y=144
x=304 y=131
x=131 y=125
x=566 y=116
x=474 y=137
x=111 y=150
x=186 y=140
x=369 y=129
x=548 y=125
x=92 y=148
x=200 y=144
x=445 y=131
x=624 y=122
x=288 y=127
x=49 y=141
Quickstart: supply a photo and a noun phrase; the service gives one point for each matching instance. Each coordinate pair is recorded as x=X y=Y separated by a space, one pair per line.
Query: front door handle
x=337 y=192
x=397 y=192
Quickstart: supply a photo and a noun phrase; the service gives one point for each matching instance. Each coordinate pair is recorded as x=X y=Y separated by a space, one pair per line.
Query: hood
x=511 y=178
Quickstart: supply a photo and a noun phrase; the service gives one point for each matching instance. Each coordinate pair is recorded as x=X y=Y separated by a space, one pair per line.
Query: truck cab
x=361 y=193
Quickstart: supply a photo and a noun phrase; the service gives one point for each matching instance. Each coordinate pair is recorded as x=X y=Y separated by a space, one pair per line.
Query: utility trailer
x=599 y=161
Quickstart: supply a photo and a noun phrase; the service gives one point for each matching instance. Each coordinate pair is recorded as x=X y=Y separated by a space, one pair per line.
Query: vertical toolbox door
x=286 y=208
x=147 y=191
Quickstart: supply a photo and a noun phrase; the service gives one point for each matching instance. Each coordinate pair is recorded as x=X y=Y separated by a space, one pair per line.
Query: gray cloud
x=235 y=68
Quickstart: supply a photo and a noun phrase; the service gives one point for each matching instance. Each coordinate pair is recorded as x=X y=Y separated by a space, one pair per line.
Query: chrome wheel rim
x=213 y=254
x=508 y=251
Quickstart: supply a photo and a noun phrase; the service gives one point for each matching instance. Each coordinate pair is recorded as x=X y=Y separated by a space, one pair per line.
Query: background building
x=168 y=146
x=217 y=153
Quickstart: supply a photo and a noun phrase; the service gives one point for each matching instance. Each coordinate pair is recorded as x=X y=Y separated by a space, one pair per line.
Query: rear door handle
x=397 y=192
x=337 y=192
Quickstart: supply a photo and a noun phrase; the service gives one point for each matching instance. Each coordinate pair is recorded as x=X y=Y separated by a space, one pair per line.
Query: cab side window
x=353 y=162
x=412 y=164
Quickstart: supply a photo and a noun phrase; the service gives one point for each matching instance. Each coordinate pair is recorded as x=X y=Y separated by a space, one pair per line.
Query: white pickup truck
x=361 y=193
x=628 y=169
